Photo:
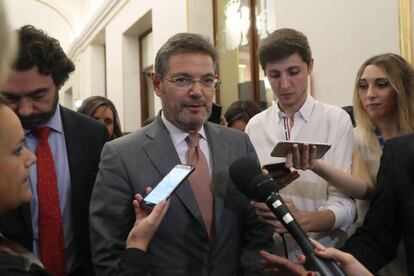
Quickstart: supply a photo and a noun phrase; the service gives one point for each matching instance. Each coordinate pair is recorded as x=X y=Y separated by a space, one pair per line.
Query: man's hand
x=282 y=180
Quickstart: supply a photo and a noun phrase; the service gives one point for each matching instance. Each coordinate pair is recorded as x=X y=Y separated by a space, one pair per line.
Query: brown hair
x=283 y=43
x=91 y=104
x=36 y=48
x=183 y=43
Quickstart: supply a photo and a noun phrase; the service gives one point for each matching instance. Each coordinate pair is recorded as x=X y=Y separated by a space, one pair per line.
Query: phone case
x=282 y=148
x=277 y=167
x=149 y=203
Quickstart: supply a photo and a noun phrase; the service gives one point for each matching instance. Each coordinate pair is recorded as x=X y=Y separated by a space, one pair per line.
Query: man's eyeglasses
x=187 y=82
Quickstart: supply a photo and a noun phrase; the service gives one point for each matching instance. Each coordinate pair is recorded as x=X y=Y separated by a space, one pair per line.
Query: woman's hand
x=146 y=223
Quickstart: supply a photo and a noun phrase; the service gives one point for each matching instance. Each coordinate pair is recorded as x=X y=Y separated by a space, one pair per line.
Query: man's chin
x=33 y=123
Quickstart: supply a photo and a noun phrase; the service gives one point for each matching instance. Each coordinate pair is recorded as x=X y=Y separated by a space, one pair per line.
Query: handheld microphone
x=248 y=178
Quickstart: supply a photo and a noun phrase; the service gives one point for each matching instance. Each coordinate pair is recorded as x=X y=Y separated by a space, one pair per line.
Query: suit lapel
x=220 y=155
x=161 y=151
x=74 y=148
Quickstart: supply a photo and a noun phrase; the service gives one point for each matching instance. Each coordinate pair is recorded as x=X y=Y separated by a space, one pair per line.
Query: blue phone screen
x=167 y=185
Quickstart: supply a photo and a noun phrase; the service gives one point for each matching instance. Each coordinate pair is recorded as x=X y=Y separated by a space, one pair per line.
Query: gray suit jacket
x=181 y=245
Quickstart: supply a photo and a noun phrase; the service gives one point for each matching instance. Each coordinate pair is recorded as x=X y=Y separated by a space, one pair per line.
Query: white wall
x=342 y=34
x=50 y=16
x=91 y=70
x=123 y=82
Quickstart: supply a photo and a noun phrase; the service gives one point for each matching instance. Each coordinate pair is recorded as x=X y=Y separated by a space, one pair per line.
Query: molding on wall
x=405 y=23
x=95 y=24
x=61 y=10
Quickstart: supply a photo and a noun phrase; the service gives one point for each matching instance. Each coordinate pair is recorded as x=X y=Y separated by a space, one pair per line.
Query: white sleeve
x=341 y=204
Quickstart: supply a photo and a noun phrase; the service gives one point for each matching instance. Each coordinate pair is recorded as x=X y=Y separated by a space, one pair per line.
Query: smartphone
x=215 y=113
x=283 y=147
x=168 y=185
x=277 y=169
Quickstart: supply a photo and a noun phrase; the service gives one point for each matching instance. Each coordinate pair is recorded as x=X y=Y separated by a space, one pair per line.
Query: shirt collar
x=305 y=111
x=178 y=135
x=55 y=122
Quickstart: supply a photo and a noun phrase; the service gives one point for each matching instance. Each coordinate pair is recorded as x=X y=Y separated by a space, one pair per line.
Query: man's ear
x=156 y=83
x=310 y=66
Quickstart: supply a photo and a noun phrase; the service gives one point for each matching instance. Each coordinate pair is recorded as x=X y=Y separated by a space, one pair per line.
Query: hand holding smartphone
x=282 y=148
x=282 y=175
x=277 y=169
x=168 y=185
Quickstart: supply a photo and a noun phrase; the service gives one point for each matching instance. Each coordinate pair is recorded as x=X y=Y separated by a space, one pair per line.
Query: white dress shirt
x=314 y=122
x=178 y=138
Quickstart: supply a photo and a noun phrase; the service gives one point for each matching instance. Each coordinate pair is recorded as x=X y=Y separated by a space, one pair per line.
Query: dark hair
x=36 y=48
x=2 y=100
x=283 y=43
x=241 y=110
x=91 y=104
x=183 y=43
x=350 y=110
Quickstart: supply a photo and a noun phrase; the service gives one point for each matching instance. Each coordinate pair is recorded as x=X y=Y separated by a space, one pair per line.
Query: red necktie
x=52 y=246
x=200 y=181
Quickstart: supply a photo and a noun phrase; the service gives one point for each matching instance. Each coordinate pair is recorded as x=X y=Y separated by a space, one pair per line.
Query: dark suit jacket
x=181 y=245
x=84 y=139
x=391 y=213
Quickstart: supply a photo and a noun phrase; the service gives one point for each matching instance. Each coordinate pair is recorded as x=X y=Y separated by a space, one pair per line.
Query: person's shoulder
x=406 y=141
x=138 y=136
x=224 y=132
x=332 y=113
x=82 y=120
x=262 y=117
x=330 y=108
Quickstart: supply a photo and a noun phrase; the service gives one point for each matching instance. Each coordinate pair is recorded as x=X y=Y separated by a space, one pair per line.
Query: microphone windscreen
x=263 y=185
x=242 y=172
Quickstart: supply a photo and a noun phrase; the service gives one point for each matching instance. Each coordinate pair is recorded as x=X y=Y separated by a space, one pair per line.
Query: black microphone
x=249 y=179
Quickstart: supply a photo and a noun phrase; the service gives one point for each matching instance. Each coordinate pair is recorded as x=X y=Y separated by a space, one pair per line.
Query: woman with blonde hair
x=383 y=105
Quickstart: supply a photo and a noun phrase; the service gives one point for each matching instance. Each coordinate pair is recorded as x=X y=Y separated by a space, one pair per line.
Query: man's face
x=31 y=95
x=288 y=78
x=186 y=107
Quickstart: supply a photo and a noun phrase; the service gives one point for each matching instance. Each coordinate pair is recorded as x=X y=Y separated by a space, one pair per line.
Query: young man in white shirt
x=322 y=211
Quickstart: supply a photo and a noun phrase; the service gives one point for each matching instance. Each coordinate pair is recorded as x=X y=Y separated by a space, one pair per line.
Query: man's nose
x=196 y=89
x=25 y=107
x=284 y=81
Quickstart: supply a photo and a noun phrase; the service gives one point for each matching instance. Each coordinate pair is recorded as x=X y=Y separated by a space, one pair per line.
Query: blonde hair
x=8 y=42
x=400 y=74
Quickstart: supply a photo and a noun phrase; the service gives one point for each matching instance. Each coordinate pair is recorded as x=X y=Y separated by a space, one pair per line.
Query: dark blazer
x=181 y=245
x=390 y=217
x=84 y=139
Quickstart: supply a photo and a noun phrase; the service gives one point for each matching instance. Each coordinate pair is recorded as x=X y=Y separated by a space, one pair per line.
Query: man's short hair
x=36 y=48
x=183 y=43
x=282 y=44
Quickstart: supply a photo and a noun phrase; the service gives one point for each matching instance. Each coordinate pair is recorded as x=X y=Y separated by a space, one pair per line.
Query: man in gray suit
x=185 y=80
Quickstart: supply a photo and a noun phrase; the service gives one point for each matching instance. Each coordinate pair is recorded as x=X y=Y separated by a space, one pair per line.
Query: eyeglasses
x=187 y=82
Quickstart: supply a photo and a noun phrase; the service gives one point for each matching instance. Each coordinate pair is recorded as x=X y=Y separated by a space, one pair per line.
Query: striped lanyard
x=379 y=137
x=287 y=128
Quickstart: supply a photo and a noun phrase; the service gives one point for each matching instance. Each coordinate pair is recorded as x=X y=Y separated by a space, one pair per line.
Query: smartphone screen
x=168 y=184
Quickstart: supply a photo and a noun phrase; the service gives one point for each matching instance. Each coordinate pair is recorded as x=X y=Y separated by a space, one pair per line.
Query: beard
x=188 y=122
x=34 y=121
